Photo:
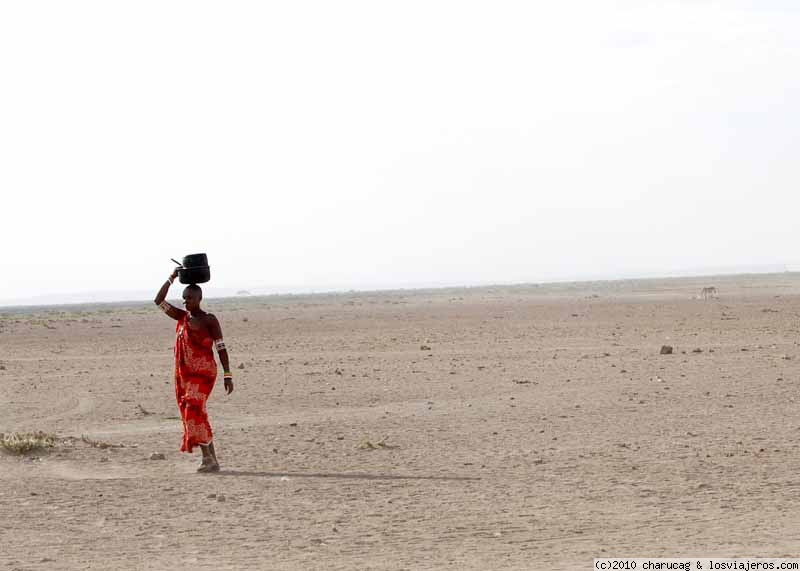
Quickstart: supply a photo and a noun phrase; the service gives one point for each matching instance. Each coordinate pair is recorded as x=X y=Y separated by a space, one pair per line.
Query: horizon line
x=329 y=290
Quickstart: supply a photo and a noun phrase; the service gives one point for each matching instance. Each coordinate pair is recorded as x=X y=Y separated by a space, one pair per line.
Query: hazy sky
x=371 y=144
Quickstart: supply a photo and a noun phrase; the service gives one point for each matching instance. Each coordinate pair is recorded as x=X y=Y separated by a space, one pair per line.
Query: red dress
x=195 y=375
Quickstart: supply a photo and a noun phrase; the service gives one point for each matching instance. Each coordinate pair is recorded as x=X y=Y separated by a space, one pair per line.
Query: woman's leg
x=209 y=463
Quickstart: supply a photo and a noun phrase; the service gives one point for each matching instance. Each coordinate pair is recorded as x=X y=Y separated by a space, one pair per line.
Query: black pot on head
x=195 y=269
x=195 y=261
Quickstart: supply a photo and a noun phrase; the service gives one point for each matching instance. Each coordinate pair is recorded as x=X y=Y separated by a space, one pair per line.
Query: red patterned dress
x=195 y=374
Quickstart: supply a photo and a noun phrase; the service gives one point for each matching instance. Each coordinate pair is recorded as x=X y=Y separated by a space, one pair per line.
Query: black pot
x=195 y=269
x=195 y=261
x=197 y=275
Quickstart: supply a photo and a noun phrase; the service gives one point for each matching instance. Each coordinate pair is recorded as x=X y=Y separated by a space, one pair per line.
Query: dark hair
x=195 y=288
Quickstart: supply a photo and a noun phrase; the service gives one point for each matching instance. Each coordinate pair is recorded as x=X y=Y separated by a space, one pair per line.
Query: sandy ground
x=523 y=428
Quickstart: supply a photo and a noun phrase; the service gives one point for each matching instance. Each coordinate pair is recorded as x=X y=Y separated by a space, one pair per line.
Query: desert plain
x=507 y=427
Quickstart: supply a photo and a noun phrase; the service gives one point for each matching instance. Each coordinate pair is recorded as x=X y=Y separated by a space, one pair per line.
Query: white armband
x=220 y=344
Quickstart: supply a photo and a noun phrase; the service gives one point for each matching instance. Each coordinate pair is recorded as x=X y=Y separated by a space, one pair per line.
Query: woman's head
x=192 y=296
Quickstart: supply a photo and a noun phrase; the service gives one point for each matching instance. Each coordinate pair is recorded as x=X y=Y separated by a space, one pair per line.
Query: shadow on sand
x=350 y=476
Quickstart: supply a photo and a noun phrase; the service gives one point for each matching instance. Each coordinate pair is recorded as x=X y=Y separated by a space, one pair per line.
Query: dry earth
x=525 y=428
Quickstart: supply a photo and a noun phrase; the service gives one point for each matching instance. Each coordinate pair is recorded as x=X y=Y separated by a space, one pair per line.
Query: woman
x=197 y=332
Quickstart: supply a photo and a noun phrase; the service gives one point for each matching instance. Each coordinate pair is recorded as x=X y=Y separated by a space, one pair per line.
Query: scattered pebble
x=666 y=350
x=157 y=456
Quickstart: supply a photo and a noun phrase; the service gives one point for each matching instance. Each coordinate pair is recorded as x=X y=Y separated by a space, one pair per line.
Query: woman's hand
x=174 y=274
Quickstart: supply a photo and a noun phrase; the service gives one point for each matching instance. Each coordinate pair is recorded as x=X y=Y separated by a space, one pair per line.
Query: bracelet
x=170 y=280
x=227 y=375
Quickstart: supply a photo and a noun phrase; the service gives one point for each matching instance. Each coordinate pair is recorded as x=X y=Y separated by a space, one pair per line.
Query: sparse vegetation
x=379 y=445
x=26 y=442
x=100 y=444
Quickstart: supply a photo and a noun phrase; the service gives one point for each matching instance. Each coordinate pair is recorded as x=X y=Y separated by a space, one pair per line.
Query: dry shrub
x=379 y=445
x=26 y=442
x=99 y=443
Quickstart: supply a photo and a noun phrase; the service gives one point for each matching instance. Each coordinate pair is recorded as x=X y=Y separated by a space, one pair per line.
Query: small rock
x=424 y=348
x=103 y=459
x=666 y=350
x=221 y=498
x=157 y=456
x=2 y=367
x=241 y=365
x=211 y=496
x=697 y=350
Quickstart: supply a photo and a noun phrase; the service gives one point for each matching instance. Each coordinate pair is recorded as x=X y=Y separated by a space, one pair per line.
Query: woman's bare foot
x=208 y=465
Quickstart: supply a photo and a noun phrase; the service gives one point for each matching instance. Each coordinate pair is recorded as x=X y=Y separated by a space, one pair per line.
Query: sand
x=530 y=427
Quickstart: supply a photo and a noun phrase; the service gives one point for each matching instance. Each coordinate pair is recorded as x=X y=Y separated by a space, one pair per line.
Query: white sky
x=372 y=144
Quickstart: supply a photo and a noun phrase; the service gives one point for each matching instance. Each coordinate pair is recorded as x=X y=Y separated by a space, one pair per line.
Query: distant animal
x=709 y=292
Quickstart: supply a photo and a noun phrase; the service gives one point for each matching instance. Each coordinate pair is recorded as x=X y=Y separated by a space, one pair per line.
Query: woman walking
x=197 y=333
